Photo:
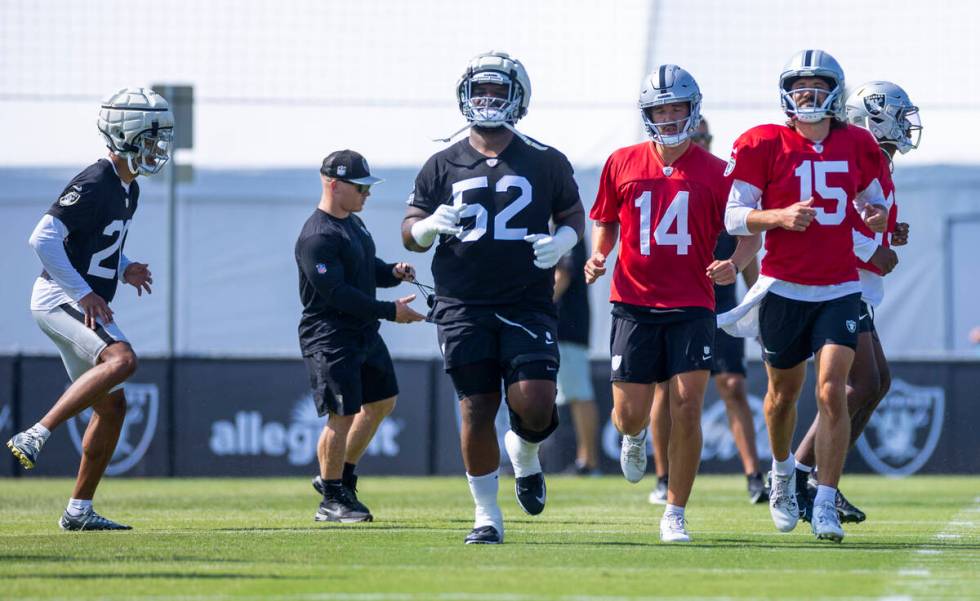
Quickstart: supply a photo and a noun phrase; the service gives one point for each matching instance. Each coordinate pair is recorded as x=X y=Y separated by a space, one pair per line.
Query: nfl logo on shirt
x=321 y=268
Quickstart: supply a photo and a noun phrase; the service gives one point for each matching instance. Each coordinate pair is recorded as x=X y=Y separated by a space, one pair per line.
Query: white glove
x=444 y=221
x=548 y=250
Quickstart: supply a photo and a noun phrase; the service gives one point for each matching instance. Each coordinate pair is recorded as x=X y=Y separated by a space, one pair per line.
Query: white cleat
x=672 y=529
x=633 y=456
x=826 y=522
x=783 y=507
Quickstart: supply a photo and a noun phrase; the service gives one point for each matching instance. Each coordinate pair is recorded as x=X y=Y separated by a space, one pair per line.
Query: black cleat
x=338 y=506
x=805 y=495
x=351 y=487
x=484 y=535
x=849 y=514
x=89 y=521
x=758 y=493
x=531 y=493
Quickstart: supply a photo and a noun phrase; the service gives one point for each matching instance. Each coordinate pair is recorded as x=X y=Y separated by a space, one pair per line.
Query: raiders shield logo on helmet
x=874 y=103
x=904 y=430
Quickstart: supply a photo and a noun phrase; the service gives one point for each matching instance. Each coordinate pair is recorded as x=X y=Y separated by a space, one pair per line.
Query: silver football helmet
x=813 y=63
x=489 y=111
x=668 y=84
x=137 y=124
x=885 y=110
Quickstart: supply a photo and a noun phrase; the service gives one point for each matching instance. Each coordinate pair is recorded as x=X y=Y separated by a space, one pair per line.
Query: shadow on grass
x=152 y=576
x=732 y=543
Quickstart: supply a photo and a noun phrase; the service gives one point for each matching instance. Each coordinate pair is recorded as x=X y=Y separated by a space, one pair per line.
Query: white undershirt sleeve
x=48 y=242
x=743 y=198
x=123 y=264
x=872 y=195
x=864 y=247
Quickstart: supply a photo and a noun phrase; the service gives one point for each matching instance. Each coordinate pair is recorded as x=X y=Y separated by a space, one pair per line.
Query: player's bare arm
x=795 y=218
x=604 y=236
x=724 y=272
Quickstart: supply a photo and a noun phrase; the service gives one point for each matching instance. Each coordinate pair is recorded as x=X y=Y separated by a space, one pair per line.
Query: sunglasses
x=361 y=188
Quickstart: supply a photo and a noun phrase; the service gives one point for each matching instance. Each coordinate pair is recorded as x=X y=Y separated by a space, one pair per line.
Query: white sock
x=484 y=491
x=825 y=494
x=784 y=467
x=77 y=507
x=803 y=467
x=40 y=431
x=526 y=463
x=676 y=509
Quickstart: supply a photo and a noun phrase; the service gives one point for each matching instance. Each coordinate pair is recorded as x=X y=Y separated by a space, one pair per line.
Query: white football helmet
x=137 y=124
x=488 y=111
x=885 y=110
x=668 y=84
x=813 y=63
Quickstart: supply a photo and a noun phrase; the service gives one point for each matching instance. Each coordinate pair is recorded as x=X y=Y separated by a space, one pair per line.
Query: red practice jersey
x=789 y=168
x=882 y=238
x=669 y=224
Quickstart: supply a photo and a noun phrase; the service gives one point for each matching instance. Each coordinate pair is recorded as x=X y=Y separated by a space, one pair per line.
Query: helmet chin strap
x=513 y=129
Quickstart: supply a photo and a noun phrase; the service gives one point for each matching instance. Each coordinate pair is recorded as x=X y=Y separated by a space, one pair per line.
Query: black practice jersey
x=725 y=295
x=338 y=277
x=97 y=211
x=510 y=196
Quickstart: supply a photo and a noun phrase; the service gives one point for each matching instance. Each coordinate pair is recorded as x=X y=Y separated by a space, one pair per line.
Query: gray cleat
x=26 y=447
x=89 y=521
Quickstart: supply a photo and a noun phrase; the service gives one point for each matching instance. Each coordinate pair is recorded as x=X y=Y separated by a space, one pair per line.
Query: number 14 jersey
x=669 y=219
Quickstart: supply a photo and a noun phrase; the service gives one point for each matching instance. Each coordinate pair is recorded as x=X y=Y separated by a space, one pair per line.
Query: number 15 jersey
x=508 y=197
x=669 y=221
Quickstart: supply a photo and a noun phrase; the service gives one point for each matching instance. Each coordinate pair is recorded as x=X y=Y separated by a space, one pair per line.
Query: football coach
x=351 y=372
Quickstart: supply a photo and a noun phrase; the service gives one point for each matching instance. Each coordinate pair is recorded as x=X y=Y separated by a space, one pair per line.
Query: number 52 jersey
x=508 y=197
x=669 y=218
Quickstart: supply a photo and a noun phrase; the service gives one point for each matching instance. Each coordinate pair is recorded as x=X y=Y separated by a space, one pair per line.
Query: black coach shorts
x=647 y=348
x=484 y=345
x=729 y=354
x=866 y=320
x=347 y=377
x=793 y=330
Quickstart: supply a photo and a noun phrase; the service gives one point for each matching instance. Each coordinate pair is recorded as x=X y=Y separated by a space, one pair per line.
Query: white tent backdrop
x=237 y=283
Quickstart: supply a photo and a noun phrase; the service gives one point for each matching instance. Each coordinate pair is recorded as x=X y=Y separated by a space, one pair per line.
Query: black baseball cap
x=348 y=166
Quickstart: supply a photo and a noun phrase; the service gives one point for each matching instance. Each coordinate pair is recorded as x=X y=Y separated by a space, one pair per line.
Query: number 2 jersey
x=508 y=197
x=669 y=224
x=96 y=210
x=788 y=167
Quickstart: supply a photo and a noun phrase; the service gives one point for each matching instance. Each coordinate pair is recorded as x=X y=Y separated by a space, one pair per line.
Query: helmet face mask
x=490 y=110
x=137 y=125
x=823 y=103
x=885 y=110
x=666 y=85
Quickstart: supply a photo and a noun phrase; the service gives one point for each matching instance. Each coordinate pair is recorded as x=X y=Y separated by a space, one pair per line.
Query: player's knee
x=832 y=399
x=778 y=401
x=685 y=414
x=123 y=362
x=629 y=419
x=534 y=426
x=380 y=409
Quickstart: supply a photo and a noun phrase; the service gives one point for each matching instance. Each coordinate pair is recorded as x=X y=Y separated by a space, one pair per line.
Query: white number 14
x=676 y=212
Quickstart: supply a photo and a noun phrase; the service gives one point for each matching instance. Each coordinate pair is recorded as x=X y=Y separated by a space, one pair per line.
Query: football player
x=664 y=201
x=488 y=200
x=80 y=244
x=885 y=110
x=807 y=184
x=728 y=370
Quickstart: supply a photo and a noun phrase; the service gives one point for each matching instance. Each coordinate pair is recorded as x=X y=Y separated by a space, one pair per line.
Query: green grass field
x=596 y=541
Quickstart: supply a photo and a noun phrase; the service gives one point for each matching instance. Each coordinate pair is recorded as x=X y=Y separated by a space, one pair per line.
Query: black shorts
x=656 y=350
x=500 y=343
x=345 y=378
x=793 y=330
x=729 y=354
x=866 y=321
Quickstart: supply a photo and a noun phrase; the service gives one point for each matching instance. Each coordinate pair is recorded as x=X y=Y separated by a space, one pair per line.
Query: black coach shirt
x=725 y=295
x=510 y=196
x=97 y=210
x=573 y=305
x=338 y=276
